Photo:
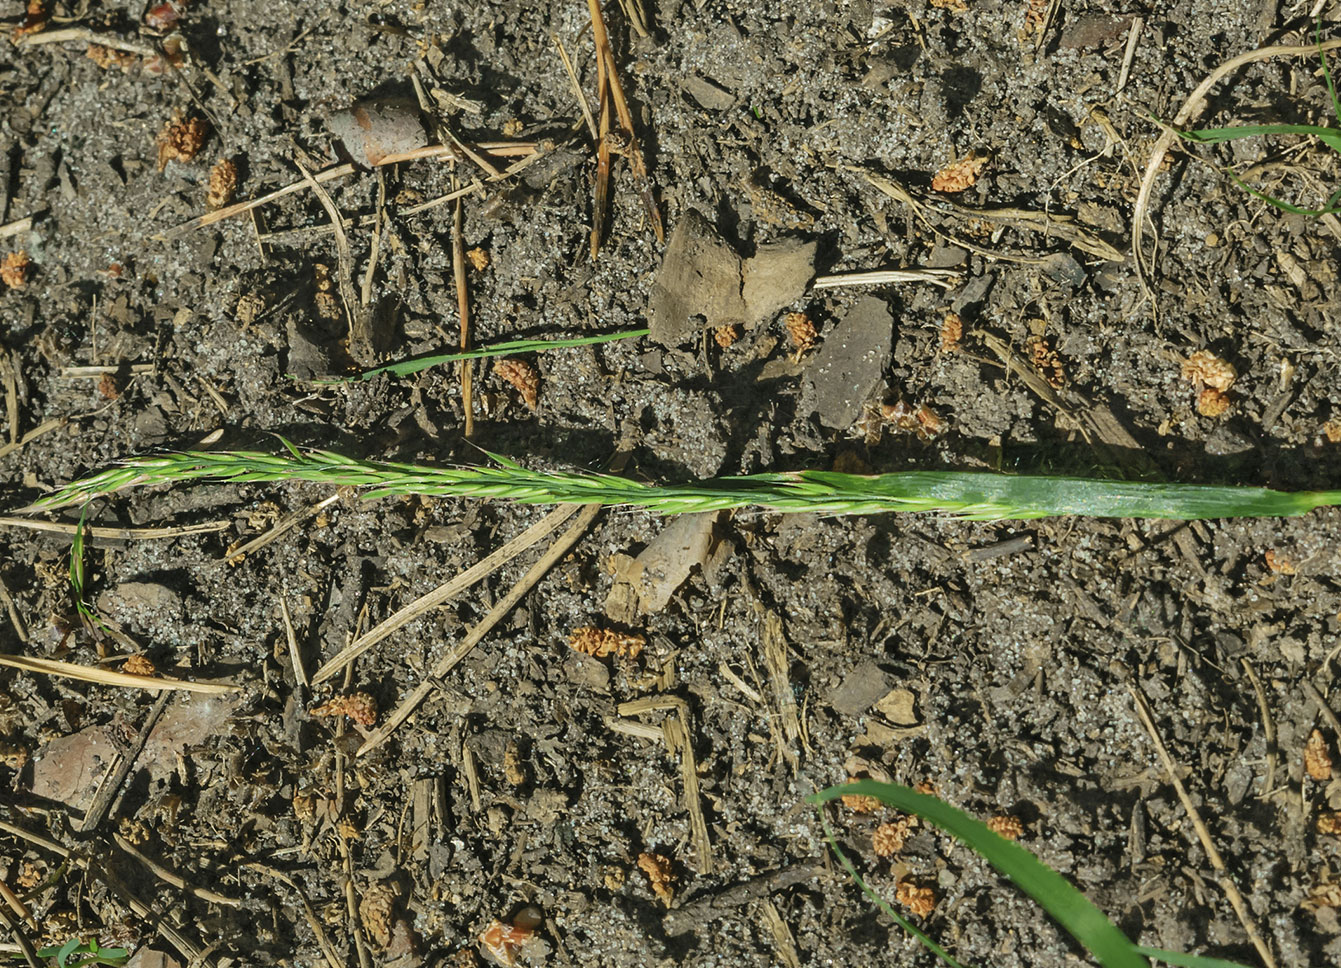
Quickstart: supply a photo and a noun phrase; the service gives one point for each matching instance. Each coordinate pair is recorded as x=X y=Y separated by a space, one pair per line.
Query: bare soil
x=994 y=662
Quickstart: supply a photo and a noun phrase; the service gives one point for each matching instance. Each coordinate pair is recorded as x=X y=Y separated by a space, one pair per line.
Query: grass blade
x=1217 y=135
x=1071 y=909
x=1180 y=960
x=927 y=941
x=1326 y=73
x=510 y=348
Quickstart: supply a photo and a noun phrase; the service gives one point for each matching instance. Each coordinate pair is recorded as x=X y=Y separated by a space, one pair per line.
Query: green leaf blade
x=1070 y=908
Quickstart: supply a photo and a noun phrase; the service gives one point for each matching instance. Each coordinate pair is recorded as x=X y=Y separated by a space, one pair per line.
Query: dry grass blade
x=506 y=149
x=552 y=555
x=114 y=534
x=106 y=677
x=463 y=309
x=608 y=82
x=1203 y=834
x=431 y=600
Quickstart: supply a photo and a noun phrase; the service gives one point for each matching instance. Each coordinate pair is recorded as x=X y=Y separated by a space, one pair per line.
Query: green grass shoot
x=972 y=495
x=1054 y=893
x=1329 y=136
x=496 y=350
x=78 y=584
x=81 y=954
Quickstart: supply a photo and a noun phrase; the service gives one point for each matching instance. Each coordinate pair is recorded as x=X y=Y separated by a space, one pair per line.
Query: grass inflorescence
x=973 y=495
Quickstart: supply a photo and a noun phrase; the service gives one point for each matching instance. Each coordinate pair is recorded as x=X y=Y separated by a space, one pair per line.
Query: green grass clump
x=1054 y=893
x=1331 y=137
x=973 y=495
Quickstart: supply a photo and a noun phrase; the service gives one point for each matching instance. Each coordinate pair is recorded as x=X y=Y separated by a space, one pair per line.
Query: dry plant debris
x=590 y=640
x=888 y=838
x=1332 y=431
x=171 y=56
x=905 y=418
x=801 y=330
x=1278 y=563
x=1212 y=378
x=478 y=258
x=921 y=901
x=1204 y=367
x=1317 y=761
x=1325 y=895
x=859 y=802
x=138 y=665
x=1035 y=17
x=375 y=911
x=962 y=174
x=1047 y=363
x=513 y=771
x=250 y=305
x=35 y=19
x=223 y=183
x=724 y=336
x=109 y=57
x=524 y=377
x=657 y=867
x=305 y=806
x=164 y=16
x=954 y=6
x=181 y=139
x=328 y=303
x=1330 y=824
x=14 y=269
x=1004 y=825
x=952 y=331
x=503 y=942
x=13 y=755
x=358 y=706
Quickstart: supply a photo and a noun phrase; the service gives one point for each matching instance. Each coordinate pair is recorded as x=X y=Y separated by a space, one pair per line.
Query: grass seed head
x=1204 y=368
x=14 y=269
x=1317 y=759
x=223 y=183
x=524 y=377
x=960 y=175
x=724 y=336
x=181 y=139
x=1004 y=825
x=358 y=706
x=602 y=642
x=921 y=901
x=888 y=838
x=660 y=874
x=801 y=330
x=1212 y=402
x=952 y=331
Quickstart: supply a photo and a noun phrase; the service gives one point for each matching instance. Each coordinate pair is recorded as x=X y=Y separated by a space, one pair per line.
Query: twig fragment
x=1203 y=834
x=107 y=677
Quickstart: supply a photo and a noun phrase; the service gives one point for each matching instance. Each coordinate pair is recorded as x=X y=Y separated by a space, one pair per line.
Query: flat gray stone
x=851 y=364
x=860 y=689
